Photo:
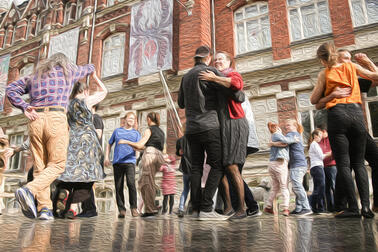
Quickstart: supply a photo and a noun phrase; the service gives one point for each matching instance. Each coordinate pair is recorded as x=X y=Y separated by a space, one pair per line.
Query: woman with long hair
x=153 y=144
x=234 y=128
x=49 y=88
x=84 y=157
x=346 y=127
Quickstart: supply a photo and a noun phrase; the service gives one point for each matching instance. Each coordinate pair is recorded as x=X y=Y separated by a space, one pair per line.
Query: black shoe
x=251 y=212
x=367 y=213
x=294 y=212
x=122 y=214
x=145 y=215
x=238 y=216
x=348 y=214
x=180 y=213
x=87 y=214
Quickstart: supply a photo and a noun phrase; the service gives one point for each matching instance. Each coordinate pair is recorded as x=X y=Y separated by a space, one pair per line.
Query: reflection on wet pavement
x=169 y=233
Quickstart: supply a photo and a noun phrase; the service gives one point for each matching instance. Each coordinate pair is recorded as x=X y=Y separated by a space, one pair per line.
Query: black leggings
x=347 y=135
x=171 y=202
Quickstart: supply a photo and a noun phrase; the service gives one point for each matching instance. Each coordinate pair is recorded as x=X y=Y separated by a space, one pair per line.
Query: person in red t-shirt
x=330 y=171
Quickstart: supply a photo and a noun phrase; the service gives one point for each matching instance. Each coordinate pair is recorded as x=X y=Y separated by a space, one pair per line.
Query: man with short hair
x=199 y=98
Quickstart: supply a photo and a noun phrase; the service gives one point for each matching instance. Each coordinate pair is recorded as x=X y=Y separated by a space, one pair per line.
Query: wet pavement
x=169 y=233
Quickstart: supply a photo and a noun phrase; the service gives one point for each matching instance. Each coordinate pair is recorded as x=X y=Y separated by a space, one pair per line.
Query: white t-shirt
x=316 y=154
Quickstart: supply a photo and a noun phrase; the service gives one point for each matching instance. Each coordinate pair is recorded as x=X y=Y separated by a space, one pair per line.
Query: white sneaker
x=204 y=216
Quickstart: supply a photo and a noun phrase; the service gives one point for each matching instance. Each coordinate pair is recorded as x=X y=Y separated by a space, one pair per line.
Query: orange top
x=344 y=75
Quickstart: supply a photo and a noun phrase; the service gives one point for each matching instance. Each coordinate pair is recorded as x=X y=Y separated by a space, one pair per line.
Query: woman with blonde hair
x=153 y=144
x=346 y=127
x=49 y=88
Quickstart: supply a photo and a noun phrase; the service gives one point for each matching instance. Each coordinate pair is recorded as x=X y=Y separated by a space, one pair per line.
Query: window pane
x=295 y=25
x=265 y=33
x=310 y=28
x=263 y=9
x=238 y=16
x=325 y=24
x=251 y=11
x=358 y=13
x=372 y=10
x=306 y=123
x=241 y=38
x=320 y=118
x=373 y=108
x=252 y=32
x=291 y=2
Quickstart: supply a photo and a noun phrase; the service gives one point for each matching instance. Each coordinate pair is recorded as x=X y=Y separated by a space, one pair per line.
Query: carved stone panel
x=65 y=43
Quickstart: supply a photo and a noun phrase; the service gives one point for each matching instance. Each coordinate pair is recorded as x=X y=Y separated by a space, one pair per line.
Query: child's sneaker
x=46 y=214
x=268 y=210
x=285 y=212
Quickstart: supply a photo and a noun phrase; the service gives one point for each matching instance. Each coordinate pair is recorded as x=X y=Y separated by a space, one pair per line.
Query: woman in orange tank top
x=346 y=128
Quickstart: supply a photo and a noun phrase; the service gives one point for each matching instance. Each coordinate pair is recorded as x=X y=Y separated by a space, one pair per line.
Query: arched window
x=308 y=18
x=26 y=70
x=113 y=55
x=364 y=12
x=252 y=27
x=79 y=9
x=67 y=13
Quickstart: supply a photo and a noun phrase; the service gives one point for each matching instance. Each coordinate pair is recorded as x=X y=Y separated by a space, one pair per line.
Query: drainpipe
x=213 y=28
x=92 y=35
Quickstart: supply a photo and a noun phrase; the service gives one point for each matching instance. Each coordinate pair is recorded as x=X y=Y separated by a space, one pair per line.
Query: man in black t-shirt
x=89 y=205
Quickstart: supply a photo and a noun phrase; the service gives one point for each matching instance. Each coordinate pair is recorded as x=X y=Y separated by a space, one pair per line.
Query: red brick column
x=8 y=39
x=2 y=34
x=341 y=20
x=224 y=27
x=279 y=29
x=194 y=31
x=287 y=109
x=59 y=14
x=33 y=25
x=21 y=29
x=101 y=4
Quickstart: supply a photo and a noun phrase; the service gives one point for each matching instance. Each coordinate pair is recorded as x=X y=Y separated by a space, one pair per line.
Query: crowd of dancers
x=65 y=136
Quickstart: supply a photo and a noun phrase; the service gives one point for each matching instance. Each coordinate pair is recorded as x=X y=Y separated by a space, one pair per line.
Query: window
x=5 y=37
x=38 y=25
x=113 y=55
x=13 y=35
x=372 y=110
x=308 y=18
x=252 y=28
x=26 y=70
x=364 y=12
x=309 y=117
x=79 y=9
x=15 y=161
x=109 y=3
x=67 y=14
x=28 y=29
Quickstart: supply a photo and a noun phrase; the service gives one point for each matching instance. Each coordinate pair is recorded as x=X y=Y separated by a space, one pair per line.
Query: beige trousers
x=48 y=144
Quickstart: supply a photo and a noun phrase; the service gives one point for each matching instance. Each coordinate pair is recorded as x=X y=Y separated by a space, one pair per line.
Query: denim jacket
x=280 y=152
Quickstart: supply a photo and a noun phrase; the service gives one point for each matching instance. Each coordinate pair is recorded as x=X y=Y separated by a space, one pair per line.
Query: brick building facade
x=274 y=43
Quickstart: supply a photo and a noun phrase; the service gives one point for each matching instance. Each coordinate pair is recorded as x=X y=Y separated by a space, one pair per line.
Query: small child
x=168 y=184
x=317 y=171
x=278 y=162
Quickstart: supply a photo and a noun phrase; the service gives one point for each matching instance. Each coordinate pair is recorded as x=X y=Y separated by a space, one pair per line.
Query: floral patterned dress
x=84 y=156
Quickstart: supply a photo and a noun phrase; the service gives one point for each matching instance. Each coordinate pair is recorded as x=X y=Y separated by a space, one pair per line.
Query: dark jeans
x=317 y=197
x=171 y=198
x=371 y=156
x=89 y=205
x=210 y=142
x=120 y=170
x=330 y=182
x=347 y=136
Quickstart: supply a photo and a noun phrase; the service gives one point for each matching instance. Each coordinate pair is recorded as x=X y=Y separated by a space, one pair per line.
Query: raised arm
x=318 y=91
x=366 y=73
x=98 y=96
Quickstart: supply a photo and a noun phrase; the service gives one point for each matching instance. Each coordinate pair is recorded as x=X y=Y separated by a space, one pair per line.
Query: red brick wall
x=224 y=27
x=194 y=32
x=341 y=20
x=279 y=29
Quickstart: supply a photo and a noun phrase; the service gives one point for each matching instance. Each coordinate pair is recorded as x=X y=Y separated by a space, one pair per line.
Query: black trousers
x=89 y=205
x=371 y=156
x=347 y=136
x=209 y=142
x=120 y=170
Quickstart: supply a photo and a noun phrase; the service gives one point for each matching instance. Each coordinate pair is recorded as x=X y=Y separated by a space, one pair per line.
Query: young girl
x=278 y=161
x=317 y=171
x=168 y=184
x=346 y=127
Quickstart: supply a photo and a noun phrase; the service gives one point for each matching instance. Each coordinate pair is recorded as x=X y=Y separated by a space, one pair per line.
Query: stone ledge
x=285 y=94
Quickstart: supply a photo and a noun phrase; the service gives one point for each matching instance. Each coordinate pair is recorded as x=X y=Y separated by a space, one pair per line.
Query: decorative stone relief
x=285 y=94
x=270 y=90
x=256 y=62
x=65 y=43
x=367 y=39
x=304 y=52
x=264 y=106
x=303 y=100
x=114 y=85
x=301 y=85
x=151 y=102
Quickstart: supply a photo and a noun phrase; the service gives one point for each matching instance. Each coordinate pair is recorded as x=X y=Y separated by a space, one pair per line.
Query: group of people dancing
x=219 y=134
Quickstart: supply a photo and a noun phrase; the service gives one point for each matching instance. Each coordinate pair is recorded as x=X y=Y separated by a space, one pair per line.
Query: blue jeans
x=330 y=182
x=296 y=178
x=317 y=199
x=185 y=192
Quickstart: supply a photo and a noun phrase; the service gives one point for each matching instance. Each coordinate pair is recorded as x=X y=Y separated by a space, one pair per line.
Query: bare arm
x=318 y=91
x=277 y=144
x=138 y=145
x=211 y=76
x=366 y=73
x=99 y=133
x=339 y=92
x=107 y=152
x=98 y=96
x=363 y=60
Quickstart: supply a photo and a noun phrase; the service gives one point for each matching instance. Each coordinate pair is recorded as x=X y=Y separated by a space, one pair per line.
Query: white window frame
x=79 y=9
x=38 y=25
x=13 y=35
x=16 y=140
x=298 y=8
x=364 y=9
x=28 y=27
x=244 y=20
x=110 y=3
x=122 y=55
x=67 y=14
x=367 y=100
x=5 y=37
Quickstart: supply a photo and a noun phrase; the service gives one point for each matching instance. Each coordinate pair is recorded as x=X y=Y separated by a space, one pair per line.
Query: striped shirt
x=52 y=89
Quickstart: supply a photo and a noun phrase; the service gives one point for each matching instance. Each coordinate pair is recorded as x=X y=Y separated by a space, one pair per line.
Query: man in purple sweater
x=49 y=89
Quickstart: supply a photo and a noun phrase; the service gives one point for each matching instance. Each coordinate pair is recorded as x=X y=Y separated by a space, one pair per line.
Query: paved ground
x=169 y=233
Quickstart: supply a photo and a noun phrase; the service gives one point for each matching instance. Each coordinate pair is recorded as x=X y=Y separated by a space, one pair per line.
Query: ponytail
x=327 y=53
x=154 y=117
